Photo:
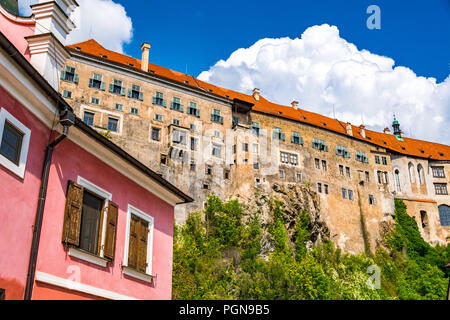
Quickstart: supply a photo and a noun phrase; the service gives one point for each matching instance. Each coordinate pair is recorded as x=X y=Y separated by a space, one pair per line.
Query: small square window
x=95 y=101
x=67 y=94
x=176 y=122
x=159 y=117
x=163 y=159
x=193 y=166
x=209 y=170
x=255 y=165
x=372 y=200
x=119 y=107
x=134 y=111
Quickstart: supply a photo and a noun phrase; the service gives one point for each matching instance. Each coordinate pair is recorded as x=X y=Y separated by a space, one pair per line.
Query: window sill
x=137 y=274
x=88 y=257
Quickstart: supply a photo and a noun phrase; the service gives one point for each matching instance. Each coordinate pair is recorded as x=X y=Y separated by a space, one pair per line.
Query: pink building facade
x=97 y=224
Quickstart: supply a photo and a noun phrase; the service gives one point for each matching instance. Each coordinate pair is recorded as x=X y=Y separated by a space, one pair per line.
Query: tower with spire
x=397 y=131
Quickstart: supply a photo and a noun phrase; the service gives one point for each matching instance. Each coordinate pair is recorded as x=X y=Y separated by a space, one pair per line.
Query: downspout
x=67 y=119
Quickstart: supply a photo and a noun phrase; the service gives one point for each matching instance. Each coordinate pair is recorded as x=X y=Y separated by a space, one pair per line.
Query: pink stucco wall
x=18 y=202
x=71 y=161
x=16 y=33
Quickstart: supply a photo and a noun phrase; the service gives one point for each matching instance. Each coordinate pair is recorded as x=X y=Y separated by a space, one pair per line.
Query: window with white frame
x=138 y=255
x=90 y=222
x=14 y=143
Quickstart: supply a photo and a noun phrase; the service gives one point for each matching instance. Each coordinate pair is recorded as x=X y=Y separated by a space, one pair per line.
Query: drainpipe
x=67 y=119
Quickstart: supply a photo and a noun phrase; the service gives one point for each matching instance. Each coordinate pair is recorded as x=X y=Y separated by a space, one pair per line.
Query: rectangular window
x=347 y=172
x=319 y=187
x=372 y=200
x=216 y=150
x=95 y=101
x=367 y=176
x=11 y=143
x=135 y=93
x=112 y=124
x=117 y=88
x=192 y=127
x=209 y=170
x=344 y=193
x=342 y=151
x=193 y=166
x=179 y=136
x=255 y=165
x=163 y=159
x=226 y=174
x=325 y=187
x=193 y=110
x=341 y=170
x=176 y=105
x=317 y=163
x=438 y=172
x=216 y=116
x=86 y=220
x=284 y=158
x=158 y=117
x=68 y=74
x=89 y=118
x=384 y=159
x=119 y=107
x=278 y=135
x=96 y=82
x=350 y=195
x=67 y=94
x=319 y=145
x=296 y=139
x=441 y=188
x=281 y=174
x=158 y=100
x=139 y=250
x=155 y=134
x=377 y=160
x=299 y=177
x=361 y=157
x=255 y=128
x=194 y=143
x=216 y=134
x=176 y=122
x=134 y=111
x=245 y=147
x=324 y=165
x=294 y=159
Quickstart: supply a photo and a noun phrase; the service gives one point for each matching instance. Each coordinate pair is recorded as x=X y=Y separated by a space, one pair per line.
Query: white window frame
x=74 y=252
x=18 y=170
x=151 y=222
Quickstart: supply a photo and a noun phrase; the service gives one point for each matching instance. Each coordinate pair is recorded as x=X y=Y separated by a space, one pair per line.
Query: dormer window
x=135 y=93
x=158 y=100
x=342 y=151
x=193 y=110
x=176 y=105
x=278 y=135
x=361 y=157
x=117 y=88
x=319 y=145
x=216 y=117
x=69 y=75
x=96 y=82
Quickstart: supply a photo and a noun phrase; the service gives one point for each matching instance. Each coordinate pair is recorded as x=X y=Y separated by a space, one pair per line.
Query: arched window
x=412 y=176
x=421 y=174
x=397 y=180
x=444 y=214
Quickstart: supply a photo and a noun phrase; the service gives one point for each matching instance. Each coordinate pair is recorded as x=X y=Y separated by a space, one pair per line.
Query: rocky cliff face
x=295 y=198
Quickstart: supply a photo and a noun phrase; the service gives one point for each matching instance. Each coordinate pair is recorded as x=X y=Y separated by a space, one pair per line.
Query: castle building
x=204 y=138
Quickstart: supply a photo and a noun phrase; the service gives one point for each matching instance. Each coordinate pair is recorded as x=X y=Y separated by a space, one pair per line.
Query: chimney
x=362 y=131
x=256 y=93
x=349 y=129
x=47 y=45
x=387 y=131
x=295 y=105
x=145 y=56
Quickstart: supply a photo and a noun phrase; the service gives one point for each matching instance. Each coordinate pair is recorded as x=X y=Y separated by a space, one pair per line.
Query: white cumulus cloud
x=102 y=20
x=321 y=69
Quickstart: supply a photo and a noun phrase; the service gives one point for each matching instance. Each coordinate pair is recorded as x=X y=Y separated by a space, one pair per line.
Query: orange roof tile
x=411 y=147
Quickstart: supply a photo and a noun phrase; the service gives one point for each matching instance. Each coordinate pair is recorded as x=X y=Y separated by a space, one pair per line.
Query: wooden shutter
x=111 y=230
x=103 y=86
x=91 y=83
x=142 y=247
x=111 y=88
x=72 y=215
x=133 y=245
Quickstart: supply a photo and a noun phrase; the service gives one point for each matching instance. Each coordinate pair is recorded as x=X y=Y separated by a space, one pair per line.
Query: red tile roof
x=411 y=147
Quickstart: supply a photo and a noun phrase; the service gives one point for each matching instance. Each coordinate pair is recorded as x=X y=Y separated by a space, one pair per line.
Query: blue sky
x=198 y=33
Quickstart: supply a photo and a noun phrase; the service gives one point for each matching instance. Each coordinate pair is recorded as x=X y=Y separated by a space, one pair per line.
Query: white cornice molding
x=14 y=18
x=50 y=17
x=79 y=287
x=46 y=43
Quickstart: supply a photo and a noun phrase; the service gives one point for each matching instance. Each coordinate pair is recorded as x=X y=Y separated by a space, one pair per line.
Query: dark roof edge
x=134 y=162
x=12 y=51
